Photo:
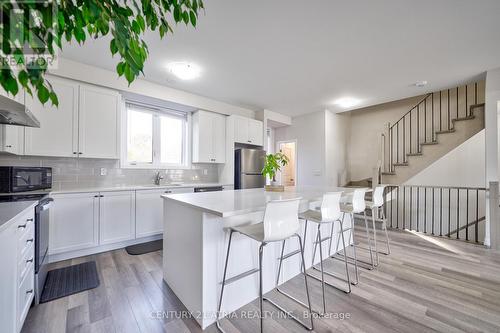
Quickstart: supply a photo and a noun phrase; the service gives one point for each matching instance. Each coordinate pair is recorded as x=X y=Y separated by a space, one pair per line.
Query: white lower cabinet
x=80 y=222
x=116 y=217
x=17 y=276
x=149 y=210
x=74 y=223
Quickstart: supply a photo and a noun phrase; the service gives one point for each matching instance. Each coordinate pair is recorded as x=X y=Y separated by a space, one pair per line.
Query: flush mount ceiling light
x=347 y=102
x=420 y=84
x=184 y=70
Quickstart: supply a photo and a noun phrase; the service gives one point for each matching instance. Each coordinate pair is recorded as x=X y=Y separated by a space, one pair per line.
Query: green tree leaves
x=125 y=20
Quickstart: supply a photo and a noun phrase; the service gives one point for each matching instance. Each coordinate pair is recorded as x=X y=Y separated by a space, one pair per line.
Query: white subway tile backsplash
x=74 y=173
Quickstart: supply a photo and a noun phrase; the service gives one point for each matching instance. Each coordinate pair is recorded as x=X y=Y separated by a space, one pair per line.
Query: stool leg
x=345 y=256
x=305 y=282
x=384 y=225
x=375 y=236
x=331 y=239
x=224 y=281
x=369 y=241
x=321 y=265
x=261 y=314
x=304 y=240
x=354 y=249
x=280 y=263
x=314 y=250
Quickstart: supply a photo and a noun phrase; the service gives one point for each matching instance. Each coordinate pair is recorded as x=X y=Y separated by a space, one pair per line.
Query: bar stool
x=280 y=223
x=374 y=206
x=357 y=206
x=328 y=214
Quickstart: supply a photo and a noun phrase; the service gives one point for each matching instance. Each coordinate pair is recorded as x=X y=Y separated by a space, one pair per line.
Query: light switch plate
x=104 y=171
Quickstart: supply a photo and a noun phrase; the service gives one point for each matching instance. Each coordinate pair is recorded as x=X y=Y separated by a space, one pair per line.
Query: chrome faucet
x=158 y=178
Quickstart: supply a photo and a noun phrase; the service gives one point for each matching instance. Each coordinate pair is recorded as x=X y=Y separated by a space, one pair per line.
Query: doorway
x=288 y=175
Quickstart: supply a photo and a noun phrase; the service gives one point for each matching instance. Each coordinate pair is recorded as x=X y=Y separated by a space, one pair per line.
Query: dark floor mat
x=69 y=280
x=143 y=248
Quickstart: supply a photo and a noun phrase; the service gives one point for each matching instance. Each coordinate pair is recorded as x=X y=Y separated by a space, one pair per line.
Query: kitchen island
x=195 y=243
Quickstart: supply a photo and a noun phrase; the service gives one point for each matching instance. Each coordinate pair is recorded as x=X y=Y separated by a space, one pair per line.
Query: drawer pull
x=29 y=291
x=29 y=260
x=168 y=191
x=29 y=220
x=29 y=240
x=21 y=226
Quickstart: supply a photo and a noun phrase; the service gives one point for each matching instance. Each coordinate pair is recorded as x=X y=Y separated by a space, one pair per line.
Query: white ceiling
x=296 y=57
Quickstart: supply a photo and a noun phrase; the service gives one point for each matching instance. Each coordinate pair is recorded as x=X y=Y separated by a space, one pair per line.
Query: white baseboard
x=102 y=248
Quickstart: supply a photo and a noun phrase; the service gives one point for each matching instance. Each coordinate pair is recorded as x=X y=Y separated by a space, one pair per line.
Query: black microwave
x=21 y=179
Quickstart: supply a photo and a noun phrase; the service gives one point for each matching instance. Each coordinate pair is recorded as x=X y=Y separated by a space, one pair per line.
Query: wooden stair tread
x=463 y=118
x=414 y=154
x=446 y=131
x=429 y=143
x=389 y=173
x=401 y=164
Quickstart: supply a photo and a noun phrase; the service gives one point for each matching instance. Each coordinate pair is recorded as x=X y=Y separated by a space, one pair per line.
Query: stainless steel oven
x=15 y=179
x=41 y=245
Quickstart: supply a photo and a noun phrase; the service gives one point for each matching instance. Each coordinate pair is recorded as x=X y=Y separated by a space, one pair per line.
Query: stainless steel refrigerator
x=248 y=164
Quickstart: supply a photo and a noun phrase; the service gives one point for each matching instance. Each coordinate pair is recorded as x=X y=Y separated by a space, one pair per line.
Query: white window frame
x=157 y=112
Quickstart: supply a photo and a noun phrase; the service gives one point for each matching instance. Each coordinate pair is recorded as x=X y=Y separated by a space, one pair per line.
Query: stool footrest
x=291 y=254
x=351 y=260
x=330 y=284
x=322 y=240
x=289 y=313
x=240 y=276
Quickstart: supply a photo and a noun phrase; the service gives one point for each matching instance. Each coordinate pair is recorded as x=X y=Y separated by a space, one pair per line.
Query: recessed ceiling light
x=420 y=84
x=184 y=70
x=347 y=102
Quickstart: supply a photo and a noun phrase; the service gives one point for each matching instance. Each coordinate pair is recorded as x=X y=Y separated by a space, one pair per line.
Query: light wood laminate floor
x=427 y=284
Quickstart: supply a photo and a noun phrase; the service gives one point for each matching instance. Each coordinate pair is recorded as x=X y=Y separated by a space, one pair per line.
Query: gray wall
x=71 y=173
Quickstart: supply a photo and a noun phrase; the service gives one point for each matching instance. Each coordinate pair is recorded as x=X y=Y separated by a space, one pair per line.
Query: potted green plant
x=274 y=163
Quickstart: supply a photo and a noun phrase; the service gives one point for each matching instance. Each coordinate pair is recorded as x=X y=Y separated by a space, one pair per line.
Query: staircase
x=434 y=126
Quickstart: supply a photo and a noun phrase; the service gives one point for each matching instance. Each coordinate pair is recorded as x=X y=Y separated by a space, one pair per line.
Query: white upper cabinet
x=209 y=137
x=248 y=131
x=58 y=132
x=12 y=137
x=240 y=129
x=255 y=132
x=85 y=123
x=98 y=121
x=116 y=216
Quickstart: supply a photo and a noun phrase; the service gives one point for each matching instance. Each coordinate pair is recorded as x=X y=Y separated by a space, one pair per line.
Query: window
x=155 y=137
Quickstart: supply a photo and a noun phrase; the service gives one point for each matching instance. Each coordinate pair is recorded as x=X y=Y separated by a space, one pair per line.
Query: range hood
x=15 y=113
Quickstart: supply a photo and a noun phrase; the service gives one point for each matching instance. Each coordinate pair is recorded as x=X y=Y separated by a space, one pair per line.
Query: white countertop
x=9 y=210
x=231 y=203
x=135 y=187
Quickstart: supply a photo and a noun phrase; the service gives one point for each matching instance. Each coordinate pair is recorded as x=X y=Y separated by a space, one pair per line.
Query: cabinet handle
x=249 y=141
x=29 y=240
x=29 y=291
x=8 y=146
x=80 y=153
x=101 y=196
x=168 y=191
x=74 y=153
x=29 y=260
x=21 y=226
x=29 y=220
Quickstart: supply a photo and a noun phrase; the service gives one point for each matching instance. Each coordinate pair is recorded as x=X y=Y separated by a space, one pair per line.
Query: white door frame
x=294 y=141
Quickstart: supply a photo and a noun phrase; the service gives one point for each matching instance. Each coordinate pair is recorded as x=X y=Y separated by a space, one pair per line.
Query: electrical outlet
x=104 y=171
x=205 y=172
